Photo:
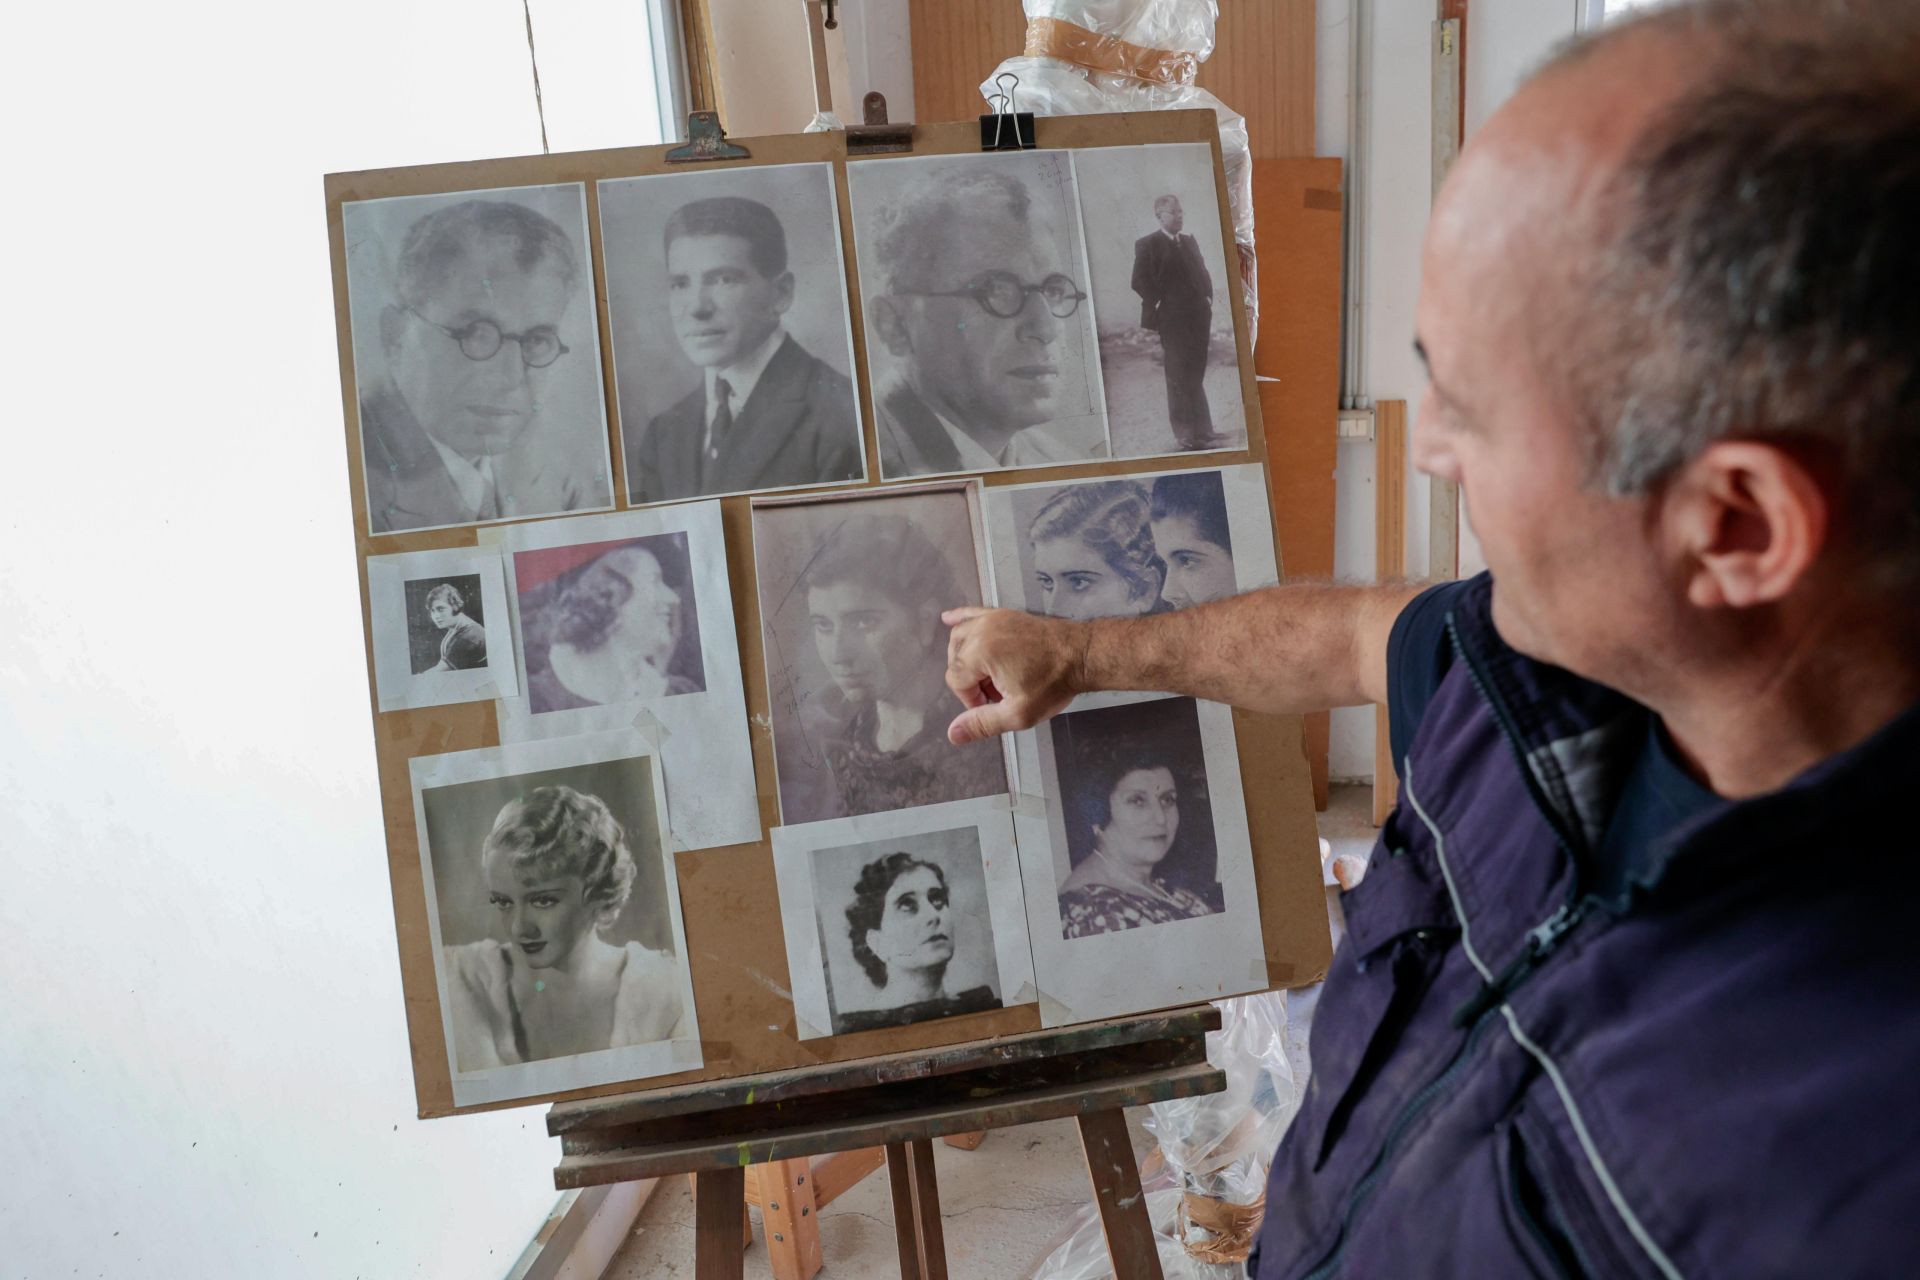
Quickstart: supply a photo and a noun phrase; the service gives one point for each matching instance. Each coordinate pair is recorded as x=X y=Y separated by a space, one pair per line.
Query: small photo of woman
x=905 y=930
x=1139 y=824
x=557 y=935
x=851 y=594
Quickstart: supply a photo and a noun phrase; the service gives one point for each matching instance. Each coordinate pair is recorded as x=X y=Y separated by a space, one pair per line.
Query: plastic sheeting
x=1085 y=57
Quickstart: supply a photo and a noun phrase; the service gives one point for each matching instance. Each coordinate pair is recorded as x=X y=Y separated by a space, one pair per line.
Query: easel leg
x=926 y=1211
x=1116 y=1190
x=793 y=1233
x=718 y=1197
x=900 y=1178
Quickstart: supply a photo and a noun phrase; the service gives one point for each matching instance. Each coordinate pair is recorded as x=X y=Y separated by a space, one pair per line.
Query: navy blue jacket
x=1713 y=1075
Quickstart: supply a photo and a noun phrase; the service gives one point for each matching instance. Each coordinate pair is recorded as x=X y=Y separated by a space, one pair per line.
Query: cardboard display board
x=729 y=904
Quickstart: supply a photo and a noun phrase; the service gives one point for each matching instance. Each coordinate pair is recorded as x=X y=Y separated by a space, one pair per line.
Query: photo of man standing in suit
x=1176 y=302
x=482 y=402
x=767 y=413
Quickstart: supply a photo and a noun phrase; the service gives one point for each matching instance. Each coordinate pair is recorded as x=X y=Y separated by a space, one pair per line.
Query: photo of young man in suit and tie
x=765 y=412
x=476 y=357
x=1158 y=258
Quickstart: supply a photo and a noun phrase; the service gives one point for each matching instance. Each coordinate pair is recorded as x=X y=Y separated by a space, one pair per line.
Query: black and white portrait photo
x=1132 y=545
x=1161 y=288
x=439 y=628
x=446 y=624
x=625 y=621
x=608 y=622
x=979 y=334
x=1138 y=877
x=732 y=346
x=556 y=915
x=1139 y=825
x=897 y=919
x=476 y=356
x=851 y=593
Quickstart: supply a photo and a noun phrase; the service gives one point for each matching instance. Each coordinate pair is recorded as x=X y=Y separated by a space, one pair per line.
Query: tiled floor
x=1004 y=1206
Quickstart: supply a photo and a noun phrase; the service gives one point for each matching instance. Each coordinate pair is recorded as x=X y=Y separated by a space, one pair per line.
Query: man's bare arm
x=1304 y=647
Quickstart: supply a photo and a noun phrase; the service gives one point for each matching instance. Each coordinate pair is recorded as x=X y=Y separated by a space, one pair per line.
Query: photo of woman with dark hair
x=557 y=871
x=900 y=925
x=857 y=659
x=1139 y=832
x=1191 y=539
x=1092 y=552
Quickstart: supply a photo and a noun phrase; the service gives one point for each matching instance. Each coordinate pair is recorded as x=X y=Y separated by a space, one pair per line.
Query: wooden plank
x=840 y=1172
x=1389 y=564
x=1449 y=55
x=834 y=1078
x=929 y=1235
x=787 y=1217
x=718 y=1253
x=906 y=1238
x=1116 y=1191
x=1067 y=1099
x=878 y=1101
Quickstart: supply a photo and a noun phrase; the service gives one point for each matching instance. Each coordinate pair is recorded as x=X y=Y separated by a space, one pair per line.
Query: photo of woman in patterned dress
x=1139 y=828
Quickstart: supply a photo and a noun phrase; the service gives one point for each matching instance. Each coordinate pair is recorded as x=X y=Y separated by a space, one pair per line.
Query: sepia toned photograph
x=851 y=591
x=1161 y=289
x=1139 y=879
x=558 y=942
x=440 y=632
x=1138 y=823
x=893 y=919
x=732 y=343
x=476 y=355
x=625 y=622
x=608 y=622
x=1131 y=545
x=980 y=335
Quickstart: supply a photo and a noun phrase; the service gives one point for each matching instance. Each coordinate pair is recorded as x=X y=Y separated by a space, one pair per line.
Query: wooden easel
x=900 y=1102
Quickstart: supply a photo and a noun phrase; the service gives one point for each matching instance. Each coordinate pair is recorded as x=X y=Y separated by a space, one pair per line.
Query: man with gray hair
x=1619 y=994
x=473 y=334
x=971 y=308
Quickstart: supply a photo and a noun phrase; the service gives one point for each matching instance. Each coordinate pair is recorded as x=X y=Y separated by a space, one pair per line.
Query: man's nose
x=1428 y=447
x=1038 y=323
x=703 y=302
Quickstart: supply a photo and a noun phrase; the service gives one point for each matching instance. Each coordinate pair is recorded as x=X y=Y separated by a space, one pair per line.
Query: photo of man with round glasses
x=978 y=328
x=476 y=358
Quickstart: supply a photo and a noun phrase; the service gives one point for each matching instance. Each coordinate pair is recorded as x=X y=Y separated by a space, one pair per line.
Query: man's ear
x=392 y=324
x=1751 y=520
x=782 y=292
x=887 y=317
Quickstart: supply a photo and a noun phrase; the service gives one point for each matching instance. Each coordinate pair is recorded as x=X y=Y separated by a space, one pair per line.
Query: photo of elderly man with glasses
x=978 y=328
x=476 y=358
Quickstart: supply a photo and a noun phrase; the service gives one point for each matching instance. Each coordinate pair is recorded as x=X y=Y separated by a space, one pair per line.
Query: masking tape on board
x=1028 y=805
x=1028 y=994
x=1052 y=1012
x=804 y=1030
x=703 y=1053
x=650 y=725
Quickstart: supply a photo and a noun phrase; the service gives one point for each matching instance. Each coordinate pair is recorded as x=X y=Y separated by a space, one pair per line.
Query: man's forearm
x=1296 y=648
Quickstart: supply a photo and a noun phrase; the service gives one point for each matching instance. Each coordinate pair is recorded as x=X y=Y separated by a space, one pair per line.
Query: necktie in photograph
x=722 y=419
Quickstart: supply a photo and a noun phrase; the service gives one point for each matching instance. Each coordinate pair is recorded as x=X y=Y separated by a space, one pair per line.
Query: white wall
x=1505 y=39
x=203 y=1061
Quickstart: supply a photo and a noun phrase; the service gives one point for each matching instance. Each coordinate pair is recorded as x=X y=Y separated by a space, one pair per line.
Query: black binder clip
x=1006 y=129
x=706 y=140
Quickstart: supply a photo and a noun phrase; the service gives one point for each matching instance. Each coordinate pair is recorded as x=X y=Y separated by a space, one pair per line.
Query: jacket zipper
x=1542 y=941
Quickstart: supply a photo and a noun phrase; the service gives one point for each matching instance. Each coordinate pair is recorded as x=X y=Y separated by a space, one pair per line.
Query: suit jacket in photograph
x=799 y=427
x=1170 y=278
x=408 y=486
